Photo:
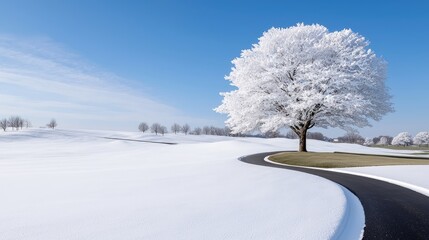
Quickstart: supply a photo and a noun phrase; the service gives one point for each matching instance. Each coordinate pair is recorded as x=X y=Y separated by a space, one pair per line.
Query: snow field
x=77 y=185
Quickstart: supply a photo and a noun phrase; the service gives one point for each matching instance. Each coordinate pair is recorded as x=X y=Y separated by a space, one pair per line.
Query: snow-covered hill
x=76 y=184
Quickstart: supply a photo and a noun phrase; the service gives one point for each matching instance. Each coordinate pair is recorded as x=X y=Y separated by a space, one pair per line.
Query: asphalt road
x=391 y=211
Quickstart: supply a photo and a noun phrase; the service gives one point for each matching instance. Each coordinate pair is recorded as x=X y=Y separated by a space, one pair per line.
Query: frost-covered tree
x=421 y=138
x=368 y=142
x=306 y=76
x=403 y=139
x=383 y=141
x=175 y=128
x=143 y=127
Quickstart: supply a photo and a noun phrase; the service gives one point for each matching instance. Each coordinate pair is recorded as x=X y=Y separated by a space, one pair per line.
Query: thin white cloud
x=40 y=79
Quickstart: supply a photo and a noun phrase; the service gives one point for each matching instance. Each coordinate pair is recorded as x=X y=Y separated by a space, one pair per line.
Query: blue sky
x=170 y=57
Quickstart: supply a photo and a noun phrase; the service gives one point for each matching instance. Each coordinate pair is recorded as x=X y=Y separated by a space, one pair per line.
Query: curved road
x=391 y=211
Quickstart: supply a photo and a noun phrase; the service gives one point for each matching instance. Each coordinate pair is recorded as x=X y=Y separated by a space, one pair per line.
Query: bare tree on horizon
x=14 y=122
x=27 y=123
x=155 y=128
x=143 y=127
x=186 y=128
x=163 y=130
x=206 y=130
x=3 y=124
x=197 y=131
x=175 y=128
x=52 y=124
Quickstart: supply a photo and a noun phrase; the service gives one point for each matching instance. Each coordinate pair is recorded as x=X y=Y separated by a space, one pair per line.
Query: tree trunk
x=301 y=131
x=303 y=141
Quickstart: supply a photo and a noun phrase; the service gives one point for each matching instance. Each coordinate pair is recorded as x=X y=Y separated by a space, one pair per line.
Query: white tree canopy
x=306 y=76
x=403 y=138
x=368 y=142
x=383 y=141
x=421 y=138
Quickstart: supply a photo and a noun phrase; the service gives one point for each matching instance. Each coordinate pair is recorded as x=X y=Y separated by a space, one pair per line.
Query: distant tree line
x=402 y=139
x=18 y=123
x=176 y=128
x=292 y=135
x=354 y=137
x=14 y=123
x=351 y=137
x=186 y=129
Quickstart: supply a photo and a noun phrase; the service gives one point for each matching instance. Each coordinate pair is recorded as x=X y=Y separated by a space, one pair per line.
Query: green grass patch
x=417 y=148
x=421 y=153
x=342 y=160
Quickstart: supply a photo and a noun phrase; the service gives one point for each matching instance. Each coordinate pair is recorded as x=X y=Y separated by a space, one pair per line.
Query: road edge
x=415 y=188
x=352 y=223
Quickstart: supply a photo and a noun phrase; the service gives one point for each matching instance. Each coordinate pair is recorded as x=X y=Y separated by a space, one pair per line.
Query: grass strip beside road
x=342 y=160
x=415 y=148
x=422 y=153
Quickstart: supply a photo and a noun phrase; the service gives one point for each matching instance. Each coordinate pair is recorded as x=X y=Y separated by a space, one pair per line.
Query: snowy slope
x=66 y=184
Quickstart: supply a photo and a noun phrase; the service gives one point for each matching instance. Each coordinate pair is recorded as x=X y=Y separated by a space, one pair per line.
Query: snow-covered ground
x=76 y=184
x=415 y=175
